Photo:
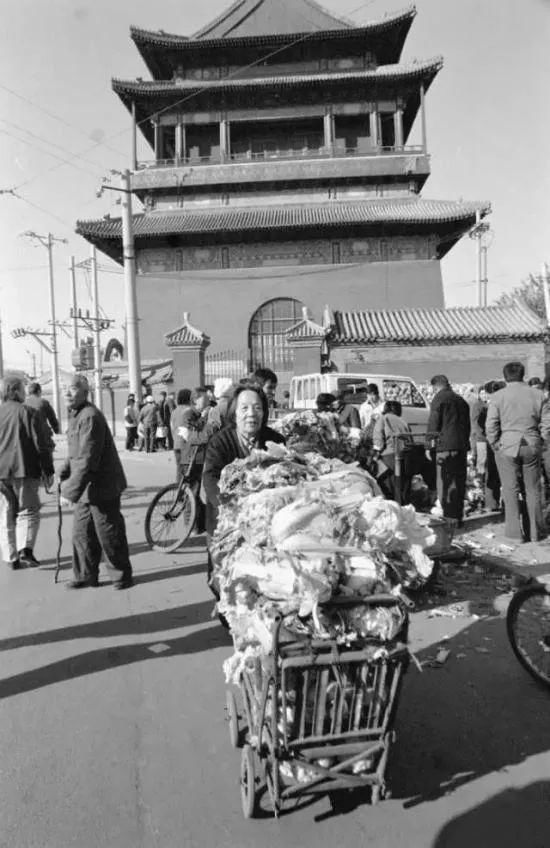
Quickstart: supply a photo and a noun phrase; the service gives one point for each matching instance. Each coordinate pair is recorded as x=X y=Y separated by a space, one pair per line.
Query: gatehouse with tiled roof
x=289 y=155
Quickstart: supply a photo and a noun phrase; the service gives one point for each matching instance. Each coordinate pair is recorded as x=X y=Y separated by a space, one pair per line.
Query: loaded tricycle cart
x=319 y=714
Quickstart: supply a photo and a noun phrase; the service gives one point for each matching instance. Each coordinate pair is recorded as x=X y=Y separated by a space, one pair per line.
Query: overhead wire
x=55 y=117
x=47 y=141
x=46 y=153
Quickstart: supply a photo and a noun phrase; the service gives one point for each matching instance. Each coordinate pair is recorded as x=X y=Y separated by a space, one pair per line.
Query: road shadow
x=145 y=622
x=476 y=714
x=514 y=817
x=104 y=659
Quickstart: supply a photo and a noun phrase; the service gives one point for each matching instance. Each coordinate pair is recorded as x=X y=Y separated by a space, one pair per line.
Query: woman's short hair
x=393 y=407
x=184 y=396
x=231 y=413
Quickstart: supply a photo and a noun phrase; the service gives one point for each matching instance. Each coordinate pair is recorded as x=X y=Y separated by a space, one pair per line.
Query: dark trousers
x=389 y=482
x=149 y=436
x=131 y=437
x=492 y=481
x=169 y=438
x=451 y=482
x=98 y=527
x=520 y=475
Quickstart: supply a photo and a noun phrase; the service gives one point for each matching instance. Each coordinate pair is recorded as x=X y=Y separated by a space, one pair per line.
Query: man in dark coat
x=44 y=408
x=348 y=414
x=93 y=480
x=25 y=457
x=449 y=435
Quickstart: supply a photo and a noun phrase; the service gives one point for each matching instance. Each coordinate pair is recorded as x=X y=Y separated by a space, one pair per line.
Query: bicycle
x=171 y=515
x=528 y=627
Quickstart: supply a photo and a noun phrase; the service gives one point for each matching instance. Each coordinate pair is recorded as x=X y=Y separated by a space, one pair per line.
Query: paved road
x=112 y=727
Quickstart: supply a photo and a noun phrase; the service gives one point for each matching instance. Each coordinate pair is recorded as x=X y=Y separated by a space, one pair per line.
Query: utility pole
x=97 y=330
x=130 y=294
x=74 y=303
x=479 y=232
x=48 y=242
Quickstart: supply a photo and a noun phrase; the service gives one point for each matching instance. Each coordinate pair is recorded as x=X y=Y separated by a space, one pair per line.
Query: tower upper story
x=279 y=95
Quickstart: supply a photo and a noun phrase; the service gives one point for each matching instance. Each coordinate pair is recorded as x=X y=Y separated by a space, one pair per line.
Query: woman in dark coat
x=247 y=429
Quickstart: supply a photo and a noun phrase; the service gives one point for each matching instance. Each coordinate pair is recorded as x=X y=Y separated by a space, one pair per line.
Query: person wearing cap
x=149 y=418
x=25 y=458
x=93 y=480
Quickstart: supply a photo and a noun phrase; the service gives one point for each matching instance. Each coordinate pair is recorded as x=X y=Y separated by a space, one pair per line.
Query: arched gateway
x=267 y=341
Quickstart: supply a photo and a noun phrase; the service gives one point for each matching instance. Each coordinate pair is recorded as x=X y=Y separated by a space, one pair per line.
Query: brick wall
x=462 y=362
x=222 y=303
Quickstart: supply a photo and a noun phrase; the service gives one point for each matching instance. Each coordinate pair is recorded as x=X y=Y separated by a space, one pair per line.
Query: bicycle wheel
x=170 y=518
x=528 y=626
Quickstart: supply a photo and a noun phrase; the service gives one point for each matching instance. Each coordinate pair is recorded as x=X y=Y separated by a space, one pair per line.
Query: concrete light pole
x=97 y=330
x=130 y=293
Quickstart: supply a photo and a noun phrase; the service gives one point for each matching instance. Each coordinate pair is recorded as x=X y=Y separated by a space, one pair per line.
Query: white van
x=305 y=388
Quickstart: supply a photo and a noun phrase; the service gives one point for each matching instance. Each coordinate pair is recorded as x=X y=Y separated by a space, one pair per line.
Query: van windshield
x=355 y=391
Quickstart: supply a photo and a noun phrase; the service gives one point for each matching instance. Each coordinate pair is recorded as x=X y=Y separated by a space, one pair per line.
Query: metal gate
x=269 y=347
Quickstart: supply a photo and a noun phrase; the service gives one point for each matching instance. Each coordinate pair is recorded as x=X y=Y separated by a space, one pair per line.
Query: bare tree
x=530 y=291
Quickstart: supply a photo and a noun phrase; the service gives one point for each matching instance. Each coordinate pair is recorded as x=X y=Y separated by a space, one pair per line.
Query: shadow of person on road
x=512 y=818
x=145 y=622
x=114 y=656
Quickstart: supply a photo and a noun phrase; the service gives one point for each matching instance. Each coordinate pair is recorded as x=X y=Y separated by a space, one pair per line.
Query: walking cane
x=59 y=528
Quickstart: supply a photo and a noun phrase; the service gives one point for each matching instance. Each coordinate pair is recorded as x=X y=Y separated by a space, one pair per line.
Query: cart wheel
x=232 y=718
x=248 y=782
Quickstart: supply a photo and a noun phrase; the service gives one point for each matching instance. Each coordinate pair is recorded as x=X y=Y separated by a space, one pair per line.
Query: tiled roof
x=384 y=73
x=413 y=210
x=306 y=329
x=186 y=335
x=261 y=17
x=436 y=325
x=209 y=40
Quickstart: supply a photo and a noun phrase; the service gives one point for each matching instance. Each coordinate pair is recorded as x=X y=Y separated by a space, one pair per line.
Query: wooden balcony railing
x=281 y=155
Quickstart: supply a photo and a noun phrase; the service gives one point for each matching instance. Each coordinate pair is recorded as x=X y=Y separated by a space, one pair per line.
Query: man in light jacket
x=25 y=457
x=513 y=428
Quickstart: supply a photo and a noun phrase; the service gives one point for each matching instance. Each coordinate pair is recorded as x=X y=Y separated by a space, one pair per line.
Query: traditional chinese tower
x=281 y=176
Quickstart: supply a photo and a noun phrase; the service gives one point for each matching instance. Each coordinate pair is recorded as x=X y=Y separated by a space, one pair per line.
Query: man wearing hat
x=149 y=417
x=93 y=480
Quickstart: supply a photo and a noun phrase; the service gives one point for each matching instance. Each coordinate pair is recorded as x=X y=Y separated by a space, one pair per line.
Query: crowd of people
x=501 y=433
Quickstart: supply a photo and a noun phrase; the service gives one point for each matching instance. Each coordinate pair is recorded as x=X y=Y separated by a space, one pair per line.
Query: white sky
x=487 y=133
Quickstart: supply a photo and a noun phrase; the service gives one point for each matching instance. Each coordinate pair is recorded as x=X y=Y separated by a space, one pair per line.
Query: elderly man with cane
x=25 y=459
x=93 y=480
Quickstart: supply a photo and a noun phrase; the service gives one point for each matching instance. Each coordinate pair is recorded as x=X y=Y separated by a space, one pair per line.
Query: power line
x=148 y=117
x=47 y=153
x=56 y=117
x=47 y=141
x=41 y=209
